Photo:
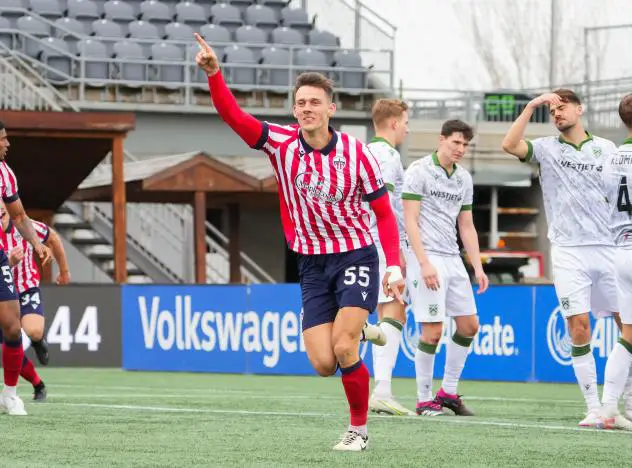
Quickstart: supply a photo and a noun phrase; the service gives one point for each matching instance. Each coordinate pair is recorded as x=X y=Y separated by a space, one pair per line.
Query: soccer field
x=115 y=418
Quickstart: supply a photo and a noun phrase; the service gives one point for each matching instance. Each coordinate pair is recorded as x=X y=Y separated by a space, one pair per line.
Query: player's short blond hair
x=384 y=109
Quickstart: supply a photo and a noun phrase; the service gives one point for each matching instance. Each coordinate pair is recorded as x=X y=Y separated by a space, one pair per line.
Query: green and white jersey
x=574 y=198
x=617 y=177
x=442 y=198
x=393 y=174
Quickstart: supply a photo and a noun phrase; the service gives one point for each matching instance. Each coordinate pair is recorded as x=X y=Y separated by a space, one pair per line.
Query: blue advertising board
x=257 y=329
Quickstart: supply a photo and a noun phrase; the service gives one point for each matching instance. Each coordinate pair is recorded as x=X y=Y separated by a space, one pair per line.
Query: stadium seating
x=119 y=40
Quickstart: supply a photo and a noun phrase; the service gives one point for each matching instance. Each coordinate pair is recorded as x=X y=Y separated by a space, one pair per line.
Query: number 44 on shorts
x=87 y=331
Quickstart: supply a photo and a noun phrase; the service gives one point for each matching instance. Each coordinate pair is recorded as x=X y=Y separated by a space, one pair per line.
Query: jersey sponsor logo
x=339 y=162
x=581 y=167
x=605 y=334
x=447 y=196
x=319 y=189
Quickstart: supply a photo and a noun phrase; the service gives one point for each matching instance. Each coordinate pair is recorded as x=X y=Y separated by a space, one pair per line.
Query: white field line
x=438 y=420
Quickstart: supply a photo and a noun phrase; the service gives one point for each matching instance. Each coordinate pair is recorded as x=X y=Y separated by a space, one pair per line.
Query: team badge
x=597 y=151
x=565 y=302
x=459 y=181
x=339 y=162
x=433 y=309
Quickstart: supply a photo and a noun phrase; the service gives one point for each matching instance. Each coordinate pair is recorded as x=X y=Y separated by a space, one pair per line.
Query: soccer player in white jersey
x=617 y=176
x=437 y=197
x=390 y=121
x=323 y=177
x=582 y=245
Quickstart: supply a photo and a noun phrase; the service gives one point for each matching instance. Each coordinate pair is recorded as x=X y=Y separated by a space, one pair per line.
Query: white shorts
x=383 y=298
x=453 y=298
x=585 y=279
x=624 y=283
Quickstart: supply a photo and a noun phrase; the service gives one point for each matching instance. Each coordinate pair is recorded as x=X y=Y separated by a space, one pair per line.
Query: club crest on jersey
x=596 y=151
x=433 y=309
x=339 y=162
x=459 y=181
x=320 y=189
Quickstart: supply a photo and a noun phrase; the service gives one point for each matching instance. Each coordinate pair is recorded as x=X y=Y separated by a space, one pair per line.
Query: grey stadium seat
x=96 y=70
x=107 y=28
x=52 y=54
x=226 y=15
x=261 y=16
x=126 y=50
x=277 y=76
x=178 y=32
x=295 y=18
x=193 y=14
x=143 y=30
x=255 y=38
x=286 y=36
x=241 y=56
x=120 y=12
x=310 y=60
x=214 y=33
x=83 y=10
x=13 y=15
x=168 y=53
x=157 y=13
x=6 y=38
x=325 y=40
x=50 y=9
x=350 y=79
x=70 y=26
x=33 y=27
x=241 y=4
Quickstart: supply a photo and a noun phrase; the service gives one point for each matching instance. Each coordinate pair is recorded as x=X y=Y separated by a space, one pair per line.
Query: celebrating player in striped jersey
x=582 y=245
x=27 y=278
x=323 y=176
x=437 y=196
x=12 y=351
x=390 y=119
x=617 y=176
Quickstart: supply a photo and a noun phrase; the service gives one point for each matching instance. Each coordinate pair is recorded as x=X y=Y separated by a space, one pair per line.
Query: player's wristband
x=395 y=274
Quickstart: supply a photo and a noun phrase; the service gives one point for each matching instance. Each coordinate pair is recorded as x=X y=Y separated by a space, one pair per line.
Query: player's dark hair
x=567 y=95
x=457 y=126
x=1 y=125
x=625 y=110
x=317 y=80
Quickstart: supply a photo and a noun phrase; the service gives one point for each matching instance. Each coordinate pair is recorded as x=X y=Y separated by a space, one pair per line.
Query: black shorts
x=330 y=282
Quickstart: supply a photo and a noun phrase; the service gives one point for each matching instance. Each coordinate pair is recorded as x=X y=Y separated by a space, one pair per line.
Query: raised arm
x=514 y=142
x=249 y=129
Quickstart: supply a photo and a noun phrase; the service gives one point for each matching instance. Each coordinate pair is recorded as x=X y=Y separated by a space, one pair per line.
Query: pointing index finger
x=201 y=42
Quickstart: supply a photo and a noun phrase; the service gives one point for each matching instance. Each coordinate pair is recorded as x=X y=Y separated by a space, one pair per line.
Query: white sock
x=424 y=369
x=616 y=374
x=359 y=429
x=26 y=341
x=456 y=354
x=384 y=358
x=9 y=391
x=586 y=374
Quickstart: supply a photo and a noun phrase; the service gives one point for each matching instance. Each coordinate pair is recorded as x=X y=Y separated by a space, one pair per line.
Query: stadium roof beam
x=194 y=178
x=52 y=152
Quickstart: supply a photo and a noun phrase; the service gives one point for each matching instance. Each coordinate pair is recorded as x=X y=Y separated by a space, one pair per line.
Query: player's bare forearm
x=469 y=237
x=25 y=227
x=411 y=218
x=57 y=247
x=514 y=142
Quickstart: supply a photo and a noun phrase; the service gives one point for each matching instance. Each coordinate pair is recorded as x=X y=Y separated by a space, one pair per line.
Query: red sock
x=355 y=379
x=12 y=357
x=29 y=372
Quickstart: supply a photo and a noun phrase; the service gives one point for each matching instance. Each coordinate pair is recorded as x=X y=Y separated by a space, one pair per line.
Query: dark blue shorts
x=31 y=302
x=8 y=291
x=330 y=282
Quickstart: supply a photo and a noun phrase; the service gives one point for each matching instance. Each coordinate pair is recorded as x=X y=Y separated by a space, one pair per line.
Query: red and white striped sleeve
x=42 y=230
x=9 y=183
x=274 y=135
x=370 y=174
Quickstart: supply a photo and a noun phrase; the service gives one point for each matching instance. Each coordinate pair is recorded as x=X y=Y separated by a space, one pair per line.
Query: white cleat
x=610 y=418
x=388 y=406
x=591 y=419
x=12 y=405
x=374 y=334
x=352 y=441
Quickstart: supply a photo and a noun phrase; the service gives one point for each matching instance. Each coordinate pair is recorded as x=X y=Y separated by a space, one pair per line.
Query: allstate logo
x=410 y=335
x=558 y=339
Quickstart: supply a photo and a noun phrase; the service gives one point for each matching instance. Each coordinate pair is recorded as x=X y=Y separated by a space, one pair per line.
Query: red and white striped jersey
x=322 y=191
x=25 y=274
x=8 y=187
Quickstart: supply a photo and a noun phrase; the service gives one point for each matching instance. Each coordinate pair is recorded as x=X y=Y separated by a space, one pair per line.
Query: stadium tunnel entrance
x=51 y=153
x=197 y=178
